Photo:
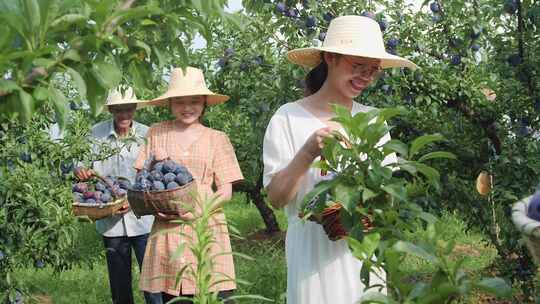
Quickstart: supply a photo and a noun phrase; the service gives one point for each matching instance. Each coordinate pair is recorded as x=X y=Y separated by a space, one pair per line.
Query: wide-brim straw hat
x=351 y=35
x=115 y=98
x=190 y=83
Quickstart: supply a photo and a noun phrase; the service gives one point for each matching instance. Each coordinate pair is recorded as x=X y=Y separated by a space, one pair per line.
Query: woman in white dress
x=321 y=271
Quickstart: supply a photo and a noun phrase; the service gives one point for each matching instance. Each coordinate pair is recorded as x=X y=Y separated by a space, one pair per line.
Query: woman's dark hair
x=316 y=77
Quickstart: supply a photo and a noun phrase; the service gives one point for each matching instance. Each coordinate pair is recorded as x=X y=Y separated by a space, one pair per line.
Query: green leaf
x=78 y=81
x=429 y=172
x=8 y=86
x=25 y=108
x=34 y=14
x=107 y=74
x=159 y=56
x=396 y=190
x=44 y=62
x=372 y=296
x=368 y=194
x=388 y=113
x=422 y=141
x=95 y=93
x=184 y=57
x=412 y=249
x=438 y=154
x=496 y=286
x=347 y=196
x=63 y=22
x=365 y=249
x=60 y=103
x=16 y=22
x=396 y=145
x=135 y=13
x=319 y=189
x=72 y=55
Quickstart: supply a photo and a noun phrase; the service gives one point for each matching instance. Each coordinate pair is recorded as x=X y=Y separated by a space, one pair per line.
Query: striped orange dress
x=212 y=162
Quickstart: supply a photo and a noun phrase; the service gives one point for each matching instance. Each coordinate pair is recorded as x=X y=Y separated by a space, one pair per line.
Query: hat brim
x=139 y=103
x=211 y=97
x=311 y=57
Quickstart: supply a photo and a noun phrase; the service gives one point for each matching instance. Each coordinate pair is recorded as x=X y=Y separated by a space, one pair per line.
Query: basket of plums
x=100 y=197
x=161 y=186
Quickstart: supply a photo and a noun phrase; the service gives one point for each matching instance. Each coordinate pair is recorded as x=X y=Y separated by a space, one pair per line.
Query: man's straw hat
x=116 y=97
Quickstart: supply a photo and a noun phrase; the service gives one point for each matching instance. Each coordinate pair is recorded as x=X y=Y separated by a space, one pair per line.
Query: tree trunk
x=267 y=214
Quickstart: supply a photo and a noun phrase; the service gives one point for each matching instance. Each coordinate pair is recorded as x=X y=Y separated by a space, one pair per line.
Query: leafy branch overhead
x=94 y=45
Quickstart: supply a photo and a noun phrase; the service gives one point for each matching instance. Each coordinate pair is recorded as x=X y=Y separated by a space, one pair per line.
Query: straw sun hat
x=116 y=98
x=190 y=83
x=351 y=35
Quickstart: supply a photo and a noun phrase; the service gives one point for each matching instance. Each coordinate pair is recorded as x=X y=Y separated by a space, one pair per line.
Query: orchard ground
x=266 y=273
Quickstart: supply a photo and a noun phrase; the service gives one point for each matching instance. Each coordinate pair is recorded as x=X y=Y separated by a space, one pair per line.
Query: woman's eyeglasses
x=365 y=69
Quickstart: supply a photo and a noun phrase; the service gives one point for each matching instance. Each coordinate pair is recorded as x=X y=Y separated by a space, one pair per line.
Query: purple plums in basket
x=534 y=207
x=163 y=175
x=92 y=192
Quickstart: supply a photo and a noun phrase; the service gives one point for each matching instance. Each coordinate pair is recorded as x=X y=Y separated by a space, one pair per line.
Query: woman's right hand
x=184 y=216
x=83 y=174
x=315 y=142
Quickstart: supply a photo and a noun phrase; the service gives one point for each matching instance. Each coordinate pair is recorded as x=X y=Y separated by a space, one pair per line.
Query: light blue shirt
x=121 y=164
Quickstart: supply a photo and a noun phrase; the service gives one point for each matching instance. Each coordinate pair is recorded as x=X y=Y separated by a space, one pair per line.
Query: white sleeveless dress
x=319 y=271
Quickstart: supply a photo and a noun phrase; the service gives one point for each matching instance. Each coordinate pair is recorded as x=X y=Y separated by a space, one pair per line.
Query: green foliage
x=204 y=224
x=364 y=185
x=36 y=224
x=96 y=44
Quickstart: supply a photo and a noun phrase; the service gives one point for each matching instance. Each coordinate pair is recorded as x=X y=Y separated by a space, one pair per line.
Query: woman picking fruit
x=209 y=157
x=321 y=271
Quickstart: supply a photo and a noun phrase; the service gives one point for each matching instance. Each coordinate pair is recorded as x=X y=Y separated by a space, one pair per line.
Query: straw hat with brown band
x=190 y=83
x=116 y=98
x=351 y=35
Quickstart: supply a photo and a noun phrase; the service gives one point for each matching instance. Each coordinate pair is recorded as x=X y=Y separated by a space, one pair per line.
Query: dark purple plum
x=172 y=185
x=156 y=175
x=168 y=166
x=80 y=187
x=383 y=25
x=169 y=177
x=328 y=16
x=534 y=207
x=124 y=184
x=369 y=14
x=100 y=186
x=311 y=21
x=88 y=194
x=78 y=197
x=393 y=43
x=455 y=60
x=158 y=186
x=39 y=264
x=159 y=166
x=435 y=7
x=90 y=201
x=281 y=7
x=106 y=197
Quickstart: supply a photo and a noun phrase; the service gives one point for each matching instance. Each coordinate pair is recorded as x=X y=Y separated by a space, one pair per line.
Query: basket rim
x=113 y=203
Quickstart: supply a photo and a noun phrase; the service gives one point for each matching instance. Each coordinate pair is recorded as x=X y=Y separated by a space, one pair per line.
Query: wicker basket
x=166 y=201
x=331 y=222
x=98 y=211
x=529 y=228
